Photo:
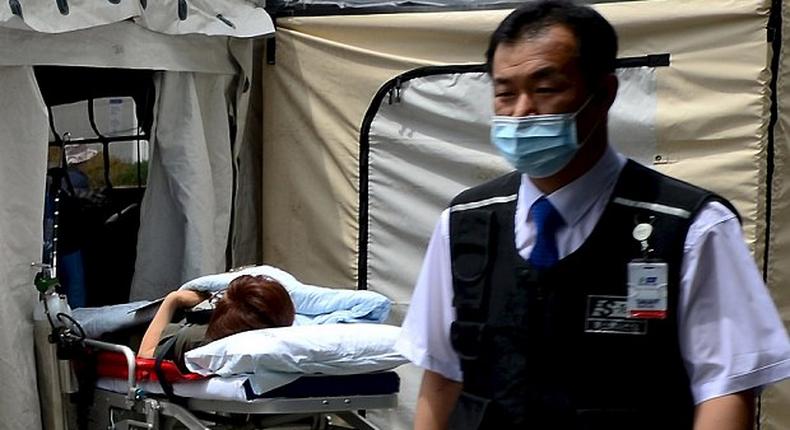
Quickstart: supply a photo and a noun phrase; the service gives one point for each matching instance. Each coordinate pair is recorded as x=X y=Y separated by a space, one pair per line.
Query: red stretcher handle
x=113 y=365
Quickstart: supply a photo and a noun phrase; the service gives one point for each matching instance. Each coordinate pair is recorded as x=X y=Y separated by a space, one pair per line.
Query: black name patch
x=609 y=314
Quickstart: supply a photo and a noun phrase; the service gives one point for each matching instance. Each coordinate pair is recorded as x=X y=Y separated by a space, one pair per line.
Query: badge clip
x=642 y=232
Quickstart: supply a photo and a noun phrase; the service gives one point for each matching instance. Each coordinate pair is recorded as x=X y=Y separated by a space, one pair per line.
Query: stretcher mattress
x=112 y=373
x=363 y=384
x=207 y=389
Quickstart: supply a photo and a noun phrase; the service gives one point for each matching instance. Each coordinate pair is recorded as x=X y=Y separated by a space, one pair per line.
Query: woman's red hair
x=251 y=302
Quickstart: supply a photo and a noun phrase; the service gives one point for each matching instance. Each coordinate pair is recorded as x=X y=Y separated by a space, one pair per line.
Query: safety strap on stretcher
x=167 y=387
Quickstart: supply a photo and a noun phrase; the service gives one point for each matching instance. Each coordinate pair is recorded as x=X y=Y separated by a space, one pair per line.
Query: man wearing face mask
x=584 y=291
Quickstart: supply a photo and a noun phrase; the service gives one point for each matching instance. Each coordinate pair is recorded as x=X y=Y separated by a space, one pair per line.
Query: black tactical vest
x=554 y=349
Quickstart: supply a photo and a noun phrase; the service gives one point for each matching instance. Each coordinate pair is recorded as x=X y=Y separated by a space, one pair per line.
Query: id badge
x=647 y=290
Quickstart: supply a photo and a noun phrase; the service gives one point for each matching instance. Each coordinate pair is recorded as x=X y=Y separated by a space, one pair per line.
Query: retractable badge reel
x=647 y=280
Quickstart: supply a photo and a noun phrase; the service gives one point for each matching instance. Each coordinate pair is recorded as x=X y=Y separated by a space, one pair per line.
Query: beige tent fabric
x=22 y=174
x=315 y=97
x=711 y=112
x=777 y=398
x=313 y=108
x=713 y=109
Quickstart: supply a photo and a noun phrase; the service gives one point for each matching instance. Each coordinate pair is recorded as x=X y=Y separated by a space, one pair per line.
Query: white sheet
x=231 y=388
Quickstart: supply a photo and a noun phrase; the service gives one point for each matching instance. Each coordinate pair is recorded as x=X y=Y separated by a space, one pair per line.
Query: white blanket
x=314 y=305
x=107 y=319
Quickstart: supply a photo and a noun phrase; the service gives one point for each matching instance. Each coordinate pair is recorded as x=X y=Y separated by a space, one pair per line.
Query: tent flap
x=186 y=209
x=22 y=172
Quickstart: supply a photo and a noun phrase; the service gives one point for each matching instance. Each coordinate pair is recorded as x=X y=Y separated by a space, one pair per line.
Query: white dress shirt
x=731 y=336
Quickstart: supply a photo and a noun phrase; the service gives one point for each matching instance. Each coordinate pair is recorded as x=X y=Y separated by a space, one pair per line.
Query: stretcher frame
x=137 y=409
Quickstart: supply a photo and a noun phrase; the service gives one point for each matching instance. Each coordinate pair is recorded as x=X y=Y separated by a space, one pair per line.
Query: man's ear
x=609 y=89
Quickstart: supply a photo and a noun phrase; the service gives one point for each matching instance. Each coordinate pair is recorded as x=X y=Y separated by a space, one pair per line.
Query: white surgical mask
x=537 y=145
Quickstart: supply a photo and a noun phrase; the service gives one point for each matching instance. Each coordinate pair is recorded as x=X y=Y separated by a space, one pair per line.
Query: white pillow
x=334 y=349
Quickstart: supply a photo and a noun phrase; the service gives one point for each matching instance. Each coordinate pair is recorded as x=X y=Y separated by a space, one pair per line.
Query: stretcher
x=129 y=396
x=326 y=370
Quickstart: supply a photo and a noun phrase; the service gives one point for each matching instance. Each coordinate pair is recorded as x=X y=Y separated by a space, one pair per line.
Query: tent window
x=425 y=137
x=125 y=168
x=87 y=127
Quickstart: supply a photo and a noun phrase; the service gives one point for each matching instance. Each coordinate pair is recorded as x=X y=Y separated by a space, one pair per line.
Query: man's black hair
x=595 y=38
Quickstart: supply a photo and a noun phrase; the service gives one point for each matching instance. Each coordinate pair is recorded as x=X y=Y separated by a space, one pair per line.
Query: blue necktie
x=544 y=254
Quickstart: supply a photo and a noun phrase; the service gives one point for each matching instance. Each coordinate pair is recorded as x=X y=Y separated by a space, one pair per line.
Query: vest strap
x=473 y=243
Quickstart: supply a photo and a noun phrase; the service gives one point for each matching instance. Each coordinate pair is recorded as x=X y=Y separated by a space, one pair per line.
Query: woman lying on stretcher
x=249 y=303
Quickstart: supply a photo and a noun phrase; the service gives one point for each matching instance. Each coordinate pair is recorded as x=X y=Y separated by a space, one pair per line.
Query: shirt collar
x=573 y=200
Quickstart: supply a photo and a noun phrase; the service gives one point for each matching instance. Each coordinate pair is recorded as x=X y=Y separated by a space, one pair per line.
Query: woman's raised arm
x=172 y=302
